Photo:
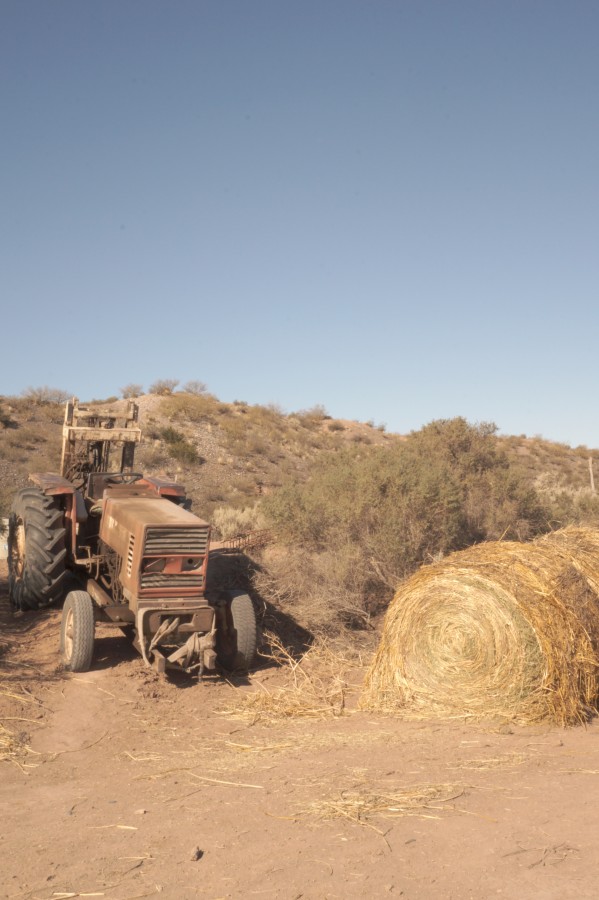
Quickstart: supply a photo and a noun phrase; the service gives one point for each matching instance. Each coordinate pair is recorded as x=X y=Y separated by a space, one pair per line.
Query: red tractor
x=123 y=549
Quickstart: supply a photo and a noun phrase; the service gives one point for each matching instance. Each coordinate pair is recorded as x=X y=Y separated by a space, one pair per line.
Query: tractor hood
x=163 y=548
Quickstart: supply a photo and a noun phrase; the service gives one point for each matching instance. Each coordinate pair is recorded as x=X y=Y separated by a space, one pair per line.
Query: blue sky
x=388 y=208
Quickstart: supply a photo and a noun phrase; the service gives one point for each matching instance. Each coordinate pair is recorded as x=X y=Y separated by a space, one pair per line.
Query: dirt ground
x=120 y=784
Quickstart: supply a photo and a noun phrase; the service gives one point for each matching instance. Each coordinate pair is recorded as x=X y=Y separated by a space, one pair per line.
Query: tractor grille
x=180 y=582
x=176 y=542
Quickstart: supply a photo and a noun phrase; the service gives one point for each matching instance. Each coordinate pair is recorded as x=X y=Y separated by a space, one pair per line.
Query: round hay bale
x=501 y=630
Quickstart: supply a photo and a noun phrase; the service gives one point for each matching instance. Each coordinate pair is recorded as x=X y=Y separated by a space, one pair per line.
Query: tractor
x=123 y=549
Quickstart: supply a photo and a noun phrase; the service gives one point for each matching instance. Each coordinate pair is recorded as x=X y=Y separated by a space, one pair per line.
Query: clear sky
x=387 y=207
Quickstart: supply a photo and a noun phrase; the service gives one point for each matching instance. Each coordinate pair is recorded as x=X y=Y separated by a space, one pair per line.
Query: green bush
x=386 y=510
x=179 y=447
x=184 y=452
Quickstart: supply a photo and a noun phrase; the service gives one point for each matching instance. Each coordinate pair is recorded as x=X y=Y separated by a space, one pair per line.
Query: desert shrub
x=230 y=521
x=242 y=486
x=323 y=591
x=381 y=512
x=26 y=410
x=132 y=390
x=171 y=435
x=313 y=417
x=152 y=458
x=179 y=447
x=13 y=454
x=189 y=407
x=45 y=394
x=195 y=387
x=252 y=430
x=25 y=437
x=235 y=432
x=184 y=452
x=5 y=418
x=568 y=504
x=336 y=426
x=164 y=386
x=7 y=494
x=257 y=446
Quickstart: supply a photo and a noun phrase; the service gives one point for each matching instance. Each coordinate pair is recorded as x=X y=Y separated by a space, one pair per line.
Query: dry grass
x=231 y=522
x=364 y=804
x=509 y=761
x=502 y=630
x=14 y=748
x=317 y=686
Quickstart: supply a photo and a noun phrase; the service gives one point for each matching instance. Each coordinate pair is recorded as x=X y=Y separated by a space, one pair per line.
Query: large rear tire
x=36 y=550
x=237 y=635
x=77 y=632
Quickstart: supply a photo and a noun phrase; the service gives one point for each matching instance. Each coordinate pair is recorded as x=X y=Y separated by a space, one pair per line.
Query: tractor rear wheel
x=77 y=632
x=236 y=638
x=36 y=550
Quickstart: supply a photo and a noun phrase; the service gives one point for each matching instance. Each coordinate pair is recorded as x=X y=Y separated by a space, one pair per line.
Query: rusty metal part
x=141 y=554
x=89 y=434
x=196 y=654
x=168 y=626
x=249 y=540
x=140 y=638
x=164 y=547
x=98 y=595
x=52 y=484
x=165 y=488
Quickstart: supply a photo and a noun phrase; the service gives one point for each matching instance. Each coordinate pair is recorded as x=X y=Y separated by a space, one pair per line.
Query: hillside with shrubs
x=350 y=510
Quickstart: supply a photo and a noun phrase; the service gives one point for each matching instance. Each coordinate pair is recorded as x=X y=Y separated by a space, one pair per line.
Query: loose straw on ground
x=501 y=630
x=361 y=805
x=316 y=687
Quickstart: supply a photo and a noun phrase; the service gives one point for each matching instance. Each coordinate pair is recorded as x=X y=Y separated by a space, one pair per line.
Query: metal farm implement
x=126 y=550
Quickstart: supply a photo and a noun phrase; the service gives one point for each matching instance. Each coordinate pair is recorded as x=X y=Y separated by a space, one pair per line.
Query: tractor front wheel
x=77 y=632
x=237 y=638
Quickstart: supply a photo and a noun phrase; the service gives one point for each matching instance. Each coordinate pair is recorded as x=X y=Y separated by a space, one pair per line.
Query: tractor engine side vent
x=130 y=553
x=176 y=542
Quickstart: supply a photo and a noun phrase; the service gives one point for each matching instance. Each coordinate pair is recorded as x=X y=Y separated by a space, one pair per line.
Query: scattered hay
x=317 y=687
x=501 y=630
x=360 y=806
x=509 y=761
x=15 y=749
x=14 y=746
x=10 y=746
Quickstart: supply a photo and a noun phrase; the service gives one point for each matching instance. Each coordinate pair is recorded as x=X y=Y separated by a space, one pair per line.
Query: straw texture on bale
x=503 y=629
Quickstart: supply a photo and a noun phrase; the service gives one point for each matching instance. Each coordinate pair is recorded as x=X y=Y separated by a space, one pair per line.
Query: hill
x=227 y=454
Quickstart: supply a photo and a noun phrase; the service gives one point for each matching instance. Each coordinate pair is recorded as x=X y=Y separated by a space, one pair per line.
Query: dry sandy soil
x=121 y=785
